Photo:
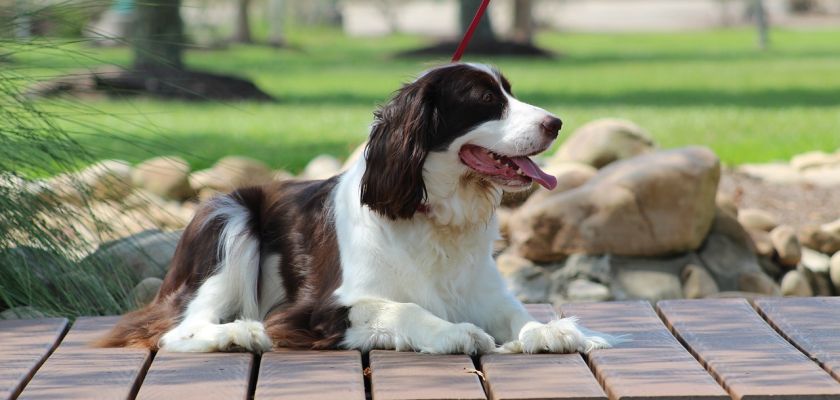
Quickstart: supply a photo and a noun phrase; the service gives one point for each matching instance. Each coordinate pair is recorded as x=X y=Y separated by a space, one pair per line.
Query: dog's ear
x=396 y=151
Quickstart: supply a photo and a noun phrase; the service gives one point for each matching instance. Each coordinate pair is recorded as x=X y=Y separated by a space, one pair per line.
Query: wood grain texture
x=542 y=312
x=198 y=376
x=24 y=345
x=414 y=376
x=77 y=371
x=653 y=365
x=539 y=376
x=810 y=323
x=745 y=354
x=311 y=375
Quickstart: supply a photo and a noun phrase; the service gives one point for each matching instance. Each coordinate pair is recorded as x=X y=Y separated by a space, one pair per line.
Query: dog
x=394 y=253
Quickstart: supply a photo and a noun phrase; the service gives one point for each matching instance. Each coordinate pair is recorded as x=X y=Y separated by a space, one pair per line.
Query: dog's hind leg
x=230 y=293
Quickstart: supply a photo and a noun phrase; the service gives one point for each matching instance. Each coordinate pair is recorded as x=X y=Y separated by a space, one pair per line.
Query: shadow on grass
x=770 y=98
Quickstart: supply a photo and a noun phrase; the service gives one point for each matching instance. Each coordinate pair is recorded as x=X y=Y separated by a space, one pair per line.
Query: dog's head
x=463 y=119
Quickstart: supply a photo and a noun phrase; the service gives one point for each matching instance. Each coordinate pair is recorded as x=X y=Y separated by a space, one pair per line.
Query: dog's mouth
x=508 y=170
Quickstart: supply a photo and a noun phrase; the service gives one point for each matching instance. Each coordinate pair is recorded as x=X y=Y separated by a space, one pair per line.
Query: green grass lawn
x=714 y=89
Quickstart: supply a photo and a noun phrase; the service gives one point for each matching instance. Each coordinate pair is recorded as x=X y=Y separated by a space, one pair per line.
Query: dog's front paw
x=558 y=336
x=463 y=338
x=247 y=335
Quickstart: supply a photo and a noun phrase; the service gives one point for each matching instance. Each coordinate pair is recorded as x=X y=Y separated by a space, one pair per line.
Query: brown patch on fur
x=144 y=327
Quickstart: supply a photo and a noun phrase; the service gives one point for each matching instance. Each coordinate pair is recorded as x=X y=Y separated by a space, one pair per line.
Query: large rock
x=146 y=254
x=145 y=291
x=603 y=141
x=649 y=278
x=814 y=159
x=758 y=282
x=230 y=173
x=569 y=176
x=655 y=204
x=167 y=177
x=104 y=180
x=530 y=284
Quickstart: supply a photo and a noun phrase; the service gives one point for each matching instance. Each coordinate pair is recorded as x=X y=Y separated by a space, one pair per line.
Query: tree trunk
x=484 y=31
x=158 y=39
x=523 y=22
x=242 y=26
x=761 y=22
x=275 y=23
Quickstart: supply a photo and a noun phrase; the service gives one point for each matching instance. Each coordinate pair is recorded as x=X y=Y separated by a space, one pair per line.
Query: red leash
x=469 y=33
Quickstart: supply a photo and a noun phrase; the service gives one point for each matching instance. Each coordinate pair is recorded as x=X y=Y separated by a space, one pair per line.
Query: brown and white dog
x=395 y=253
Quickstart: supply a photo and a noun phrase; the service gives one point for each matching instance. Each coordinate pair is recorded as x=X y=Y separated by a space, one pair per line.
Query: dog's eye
x=488 y=97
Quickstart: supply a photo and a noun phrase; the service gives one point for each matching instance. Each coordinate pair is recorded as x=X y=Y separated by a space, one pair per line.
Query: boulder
x=145 y=291
x=650 y=279
x=604 y=141
x=726 y=204
x=753 y=218
x=146 y=254
x=167 y=177
x=509 y=264
x=104 y=180
x=321 y=167
x=230 y=173
x=655 y=204
x=794 y=284
x=697 y=283
x=834 y=271
x=815 y=238
x=786 y=245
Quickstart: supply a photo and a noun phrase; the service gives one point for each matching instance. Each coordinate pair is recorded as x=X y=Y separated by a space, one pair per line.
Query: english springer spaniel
x=395 y=253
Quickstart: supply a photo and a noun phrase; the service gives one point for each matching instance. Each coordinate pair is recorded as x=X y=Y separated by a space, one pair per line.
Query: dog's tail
x=144 y=327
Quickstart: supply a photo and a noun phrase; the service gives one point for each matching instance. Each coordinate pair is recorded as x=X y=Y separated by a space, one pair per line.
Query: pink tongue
x=532 y=170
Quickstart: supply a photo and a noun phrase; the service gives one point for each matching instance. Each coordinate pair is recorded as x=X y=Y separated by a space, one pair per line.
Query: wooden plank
x=811 y=323
x=311 y=375
x=415 y=376
x=653 y=365
x=24 y=345
x=539 y=376
x=78 y=371
x=199 y=376
x=745 y=354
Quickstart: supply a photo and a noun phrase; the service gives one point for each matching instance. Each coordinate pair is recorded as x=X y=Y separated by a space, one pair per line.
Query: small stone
x=758 y=282
x=583 y=290
x=753 y=218
x=22 y=312
x=762 y=243
x=232 y=172
x=509 y=263
x=815 y=238
x=726 y=204
x=282 y=175
x=832 y=227
x=834 y=271
x=778 y=173
x=649 y=281
x=167 y=177
x=697 y=283
x=787 y=245
x=321 y=167
x=794 y=284
x=814 y=159
x=770 y=267
x=815 y=261
x=145 y=291
x=354 y=156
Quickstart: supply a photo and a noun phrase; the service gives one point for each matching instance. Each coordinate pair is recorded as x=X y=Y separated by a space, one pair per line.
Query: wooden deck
x=681 y=349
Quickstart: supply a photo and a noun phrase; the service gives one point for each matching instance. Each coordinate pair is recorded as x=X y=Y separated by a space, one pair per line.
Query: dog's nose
x=551 y=126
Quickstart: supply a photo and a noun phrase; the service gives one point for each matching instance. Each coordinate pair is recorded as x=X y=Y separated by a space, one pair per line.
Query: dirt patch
x=794 y=204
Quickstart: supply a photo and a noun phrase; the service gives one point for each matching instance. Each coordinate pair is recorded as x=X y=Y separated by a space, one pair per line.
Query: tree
x=242 y=26
x=275 y=23
x=158 y=35
x=523 y=22
x=483 y=35
x=760 y=14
